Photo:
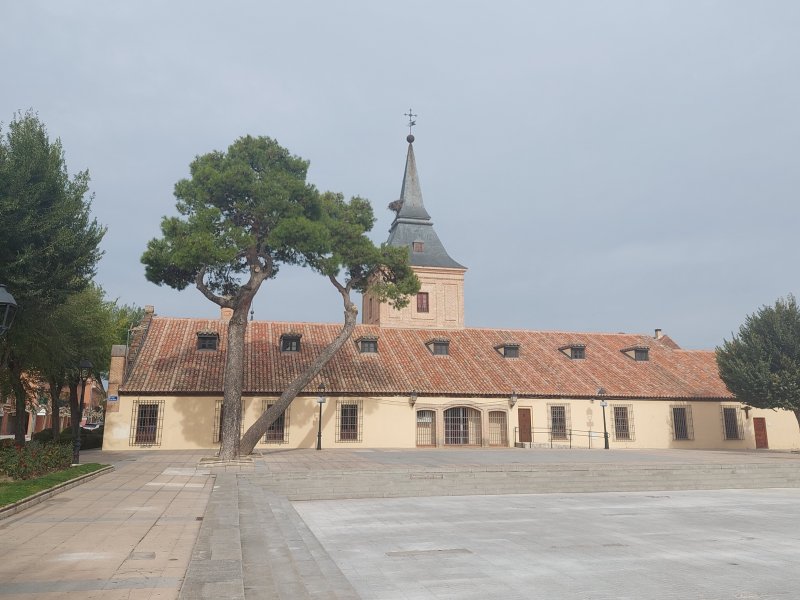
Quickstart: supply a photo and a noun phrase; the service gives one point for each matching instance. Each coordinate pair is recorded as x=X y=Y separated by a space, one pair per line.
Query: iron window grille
x=577 y=352
x=367 y=345
x=422 y=302
x=147 y=423
x=349 y=420
x=559 y=421
x=278 y=432
x=462 y=426
x=498 y=429
x=622 y=415
x=426 y=428
x=682 y=426
x=732 y=423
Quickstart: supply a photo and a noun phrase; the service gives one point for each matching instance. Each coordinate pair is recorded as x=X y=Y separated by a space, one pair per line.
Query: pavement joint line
x=33 y=500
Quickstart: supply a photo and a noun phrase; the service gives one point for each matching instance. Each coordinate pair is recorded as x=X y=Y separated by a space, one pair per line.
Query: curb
x=38 y=497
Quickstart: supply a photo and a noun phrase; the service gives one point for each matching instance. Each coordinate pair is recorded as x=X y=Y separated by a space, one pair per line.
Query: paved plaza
x=167 y=525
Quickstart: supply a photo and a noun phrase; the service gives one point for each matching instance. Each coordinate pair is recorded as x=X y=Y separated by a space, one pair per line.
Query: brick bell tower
x=440 y=302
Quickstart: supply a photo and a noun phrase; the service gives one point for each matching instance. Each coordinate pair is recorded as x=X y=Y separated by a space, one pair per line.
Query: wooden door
x=760 y=428
x=524 y=418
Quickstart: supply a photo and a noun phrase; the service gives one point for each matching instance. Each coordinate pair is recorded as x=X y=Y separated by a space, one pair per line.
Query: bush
x=89 y=439
x=34 y=459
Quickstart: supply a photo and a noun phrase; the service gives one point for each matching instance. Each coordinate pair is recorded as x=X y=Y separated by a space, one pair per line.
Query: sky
x=597 y=166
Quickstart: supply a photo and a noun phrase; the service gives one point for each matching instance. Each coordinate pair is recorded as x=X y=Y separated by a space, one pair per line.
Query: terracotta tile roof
x=169 y=363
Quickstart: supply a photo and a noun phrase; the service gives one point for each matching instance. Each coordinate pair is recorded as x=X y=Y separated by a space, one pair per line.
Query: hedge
x=34 y=459
x=89 y=439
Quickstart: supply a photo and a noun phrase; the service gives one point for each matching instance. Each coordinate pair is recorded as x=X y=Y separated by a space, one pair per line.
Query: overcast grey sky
x=598 y=166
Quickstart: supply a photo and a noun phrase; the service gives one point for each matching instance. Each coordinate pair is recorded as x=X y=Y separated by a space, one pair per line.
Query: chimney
x=225 y=314
x=658 y=335
x=116 y=375
x=149 y=309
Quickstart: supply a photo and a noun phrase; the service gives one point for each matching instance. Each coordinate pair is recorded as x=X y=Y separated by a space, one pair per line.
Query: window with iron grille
x=462 y=426
x=290 y=343
x=207 y=341
x=349 y=420
x=418 y=246
x=559 y=421
x=147 y=421
x=641 y=354
x=577 y=353
x=278 y=432
x=511 y=351
x=422 y=302
x=441 y=348
x=498 y=430
x=682 y=427
x=731 y=423
x=426 y=428
x=368 y=346
x=623 y=422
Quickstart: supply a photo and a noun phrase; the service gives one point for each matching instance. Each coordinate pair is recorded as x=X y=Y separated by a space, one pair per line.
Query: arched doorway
x=462 y=426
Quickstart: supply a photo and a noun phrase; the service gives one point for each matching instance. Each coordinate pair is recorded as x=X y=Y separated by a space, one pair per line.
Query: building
x=418 y=377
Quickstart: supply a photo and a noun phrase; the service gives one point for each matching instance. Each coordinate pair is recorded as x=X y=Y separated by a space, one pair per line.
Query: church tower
x=440 y=301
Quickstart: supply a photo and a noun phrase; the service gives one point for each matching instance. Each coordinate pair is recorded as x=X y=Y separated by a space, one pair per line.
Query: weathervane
x=411 y=122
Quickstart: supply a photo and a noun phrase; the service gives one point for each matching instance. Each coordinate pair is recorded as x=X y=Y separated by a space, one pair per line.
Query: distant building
x=418 y=377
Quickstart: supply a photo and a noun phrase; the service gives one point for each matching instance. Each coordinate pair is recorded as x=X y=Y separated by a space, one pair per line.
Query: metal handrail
x=561 y=435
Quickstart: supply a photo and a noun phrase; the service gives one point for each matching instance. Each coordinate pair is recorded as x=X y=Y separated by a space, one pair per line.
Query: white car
x=91 y=426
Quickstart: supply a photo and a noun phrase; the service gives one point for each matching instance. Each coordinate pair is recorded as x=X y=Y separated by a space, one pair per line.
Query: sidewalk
x=125 y=535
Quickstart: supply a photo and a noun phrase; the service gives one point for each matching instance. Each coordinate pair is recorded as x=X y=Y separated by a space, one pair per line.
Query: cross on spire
x=411 y=122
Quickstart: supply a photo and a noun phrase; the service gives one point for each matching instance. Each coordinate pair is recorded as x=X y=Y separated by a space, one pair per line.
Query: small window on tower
x=418 y=246
x=422 y=302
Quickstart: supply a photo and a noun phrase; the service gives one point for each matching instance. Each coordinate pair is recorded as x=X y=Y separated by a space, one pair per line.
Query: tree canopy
x=243 y=214
x=761 y=365
x=49 y=245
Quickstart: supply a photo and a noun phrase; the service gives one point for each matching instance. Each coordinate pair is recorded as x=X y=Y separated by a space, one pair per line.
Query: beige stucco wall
x=391 y=422
x=445 y=289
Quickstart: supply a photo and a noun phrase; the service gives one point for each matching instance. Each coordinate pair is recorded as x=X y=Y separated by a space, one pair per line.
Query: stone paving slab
x=714 y=545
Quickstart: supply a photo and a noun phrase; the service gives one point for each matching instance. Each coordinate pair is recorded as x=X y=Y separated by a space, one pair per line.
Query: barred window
x=498 y=430
x=147 y=422
x=682 y=427
x=623 y=422
x=290 y=343
x=278 y=432
x=426 y=428
x=559 y=421
x=418 y=246
x=349 y=420
x=731 y=423
x=422 y=302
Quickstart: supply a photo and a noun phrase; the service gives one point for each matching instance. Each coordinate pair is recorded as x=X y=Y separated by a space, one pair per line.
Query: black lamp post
x=84 y=369
x=320 y=401
x=8 y=308
x=603 y=403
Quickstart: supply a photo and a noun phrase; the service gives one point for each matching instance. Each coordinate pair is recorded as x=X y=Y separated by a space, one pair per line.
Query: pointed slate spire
x=412 y=227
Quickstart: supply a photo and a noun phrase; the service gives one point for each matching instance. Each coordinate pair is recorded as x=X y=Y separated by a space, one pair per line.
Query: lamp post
x=84 y=370
x=8 y=308
x=320 y=401
x=603 y=403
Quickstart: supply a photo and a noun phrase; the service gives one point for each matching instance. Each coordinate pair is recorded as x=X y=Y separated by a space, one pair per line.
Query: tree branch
x=201 y=285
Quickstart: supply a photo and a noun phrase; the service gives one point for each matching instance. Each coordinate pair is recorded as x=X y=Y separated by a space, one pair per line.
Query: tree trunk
x=259 y=428
x=55 y=421
x=797 y=415
x=75 y=421
x=233 y=381
x=20 y=397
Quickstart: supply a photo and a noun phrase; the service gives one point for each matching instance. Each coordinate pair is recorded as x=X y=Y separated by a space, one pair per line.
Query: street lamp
x=320 y=401
x=8 y=308
x=84 y=370
x=603 y=403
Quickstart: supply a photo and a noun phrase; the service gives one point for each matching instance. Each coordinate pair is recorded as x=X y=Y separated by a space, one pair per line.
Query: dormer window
x=418 y=246
x=575 y=351
x=508 y=350
x=439 y=346
x=638 y=353
x=290 y=342
x=367 y=344
x=207 y=340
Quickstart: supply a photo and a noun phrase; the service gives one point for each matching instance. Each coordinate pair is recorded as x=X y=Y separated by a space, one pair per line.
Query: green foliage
x=89 y=439
x=34 y=459
x=15 y=491
x=761 y=365
x=229 y=211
